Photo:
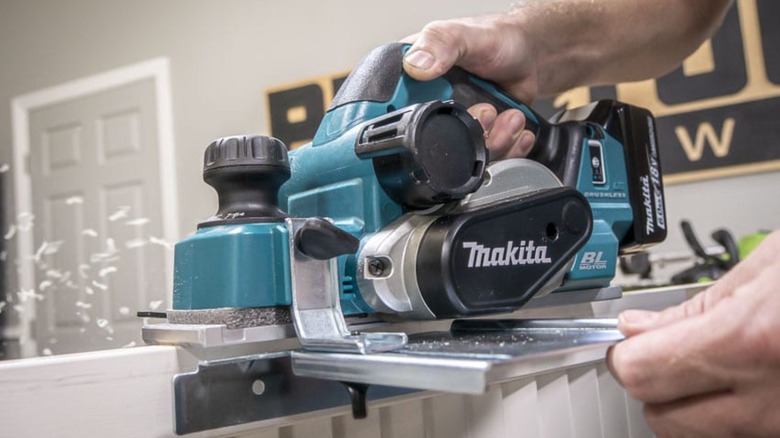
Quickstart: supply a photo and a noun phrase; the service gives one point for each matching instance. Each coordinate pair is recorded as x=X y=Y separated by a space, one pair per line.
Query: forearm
x=587 y=42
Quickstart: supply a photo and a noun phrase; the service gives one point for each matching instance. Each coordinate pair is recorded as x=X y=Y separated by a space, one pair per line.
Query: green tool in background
x=749 y=243
x=713 y=266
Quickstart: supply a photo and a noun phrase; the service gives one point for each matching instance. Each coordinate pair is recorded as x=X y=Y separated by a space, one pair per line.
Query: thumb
x=435 y=50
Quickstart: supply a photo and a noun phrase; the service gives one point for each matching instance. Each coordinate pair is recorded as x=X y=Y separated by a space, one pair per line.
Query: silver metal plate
x=475 y=354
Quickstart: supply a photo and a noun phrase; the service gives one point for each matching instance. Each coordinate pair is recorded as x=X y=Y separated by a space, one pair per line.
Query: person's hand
x=710 y=366
x=492 y=47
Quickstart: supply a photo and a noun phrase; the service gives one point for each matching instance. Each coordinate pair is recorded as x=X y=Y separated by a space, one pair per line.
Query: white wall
x=224 y=54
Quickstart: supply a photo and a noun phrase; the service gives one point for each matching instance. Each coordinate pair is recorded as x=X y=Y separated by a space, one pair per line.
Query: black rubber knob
x=425 y=154
x=246 y=172
x=320 y=239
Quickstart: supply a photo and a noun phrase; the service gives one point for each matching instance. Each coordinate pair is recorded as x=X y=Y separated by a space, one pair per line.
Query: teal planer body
x=419 y=226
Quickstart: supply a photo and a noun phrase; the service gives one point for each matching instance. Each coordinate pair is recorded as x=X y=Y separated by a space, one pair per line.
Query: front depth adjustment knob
x=246 y=172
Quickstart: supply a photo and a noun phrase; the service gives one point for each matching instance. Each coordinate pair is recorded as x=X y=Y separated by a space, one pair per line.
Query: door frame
x=157 y=69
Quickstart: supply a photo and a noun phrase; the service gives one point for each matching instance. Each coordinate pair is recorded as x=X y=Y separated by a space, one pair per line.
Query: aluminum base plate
x=473 y=355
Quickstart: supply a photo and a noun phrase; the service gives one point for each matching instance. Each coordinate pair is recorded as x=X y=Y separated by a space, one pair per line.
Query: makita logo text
x=658 y=194
x=527 y=253
x=653 y=198
x=648 y=204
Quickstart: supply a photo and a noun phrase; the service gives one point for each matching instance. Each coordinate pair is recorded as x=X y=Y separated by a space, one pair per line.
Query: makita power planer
x=395 y=210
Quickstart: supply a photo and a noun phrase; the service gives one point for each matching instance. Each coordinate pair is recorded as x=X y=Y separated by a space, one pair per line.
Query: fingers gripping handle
x=469 y=90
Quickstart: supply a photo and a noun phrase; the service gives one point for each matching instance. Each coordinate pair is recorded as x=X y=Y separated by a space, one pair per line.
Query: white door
x=99 y=256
